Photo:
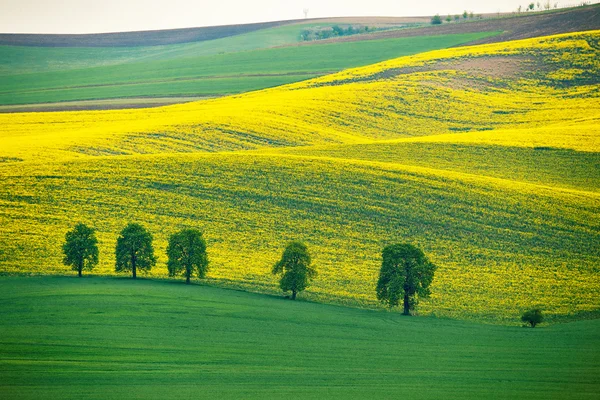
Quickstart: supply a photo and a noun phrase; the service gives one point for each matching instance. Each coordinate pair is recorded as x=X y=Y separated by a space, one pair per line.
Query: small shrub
x=436 y=20
x=533 y=317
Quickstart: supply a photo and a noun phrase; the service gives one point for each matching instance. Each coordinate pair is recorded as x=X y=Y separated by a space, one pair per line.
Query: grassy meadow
x=95 y=338
x=487 y=164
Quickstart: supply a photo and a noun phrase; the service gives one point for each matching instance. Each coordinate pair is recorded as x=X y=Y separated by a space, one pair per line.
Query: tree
x=295 y=268
x=81 y=249
x=405 y=274
x=457 y=17
x=465 y=14
x=448 y=19
x=533 y=317
x=187 y=254
x=436 y=20
x=134 y=250
x=337 y=30
x=531 y=6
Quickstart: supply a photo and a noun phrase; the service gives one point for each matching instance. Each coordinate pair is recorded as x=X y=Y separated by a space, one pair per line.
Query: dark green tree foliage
x=436 y=20
x=405 y=275
x=81 y=248
x=134 y=250
x=533 y=317
x=295 y=267
x=187 y=254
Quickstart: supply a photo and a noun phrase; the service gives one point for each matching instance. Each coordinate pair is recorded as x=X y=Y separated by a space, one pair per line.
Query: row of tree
x=437 y=20
x=531 y=6
x=134 y=251
x=405 y=274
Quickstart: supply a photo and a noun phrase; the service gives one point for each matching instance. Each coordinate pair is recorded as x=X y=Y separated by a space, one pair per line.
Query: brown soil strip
x=513 y=27
x=110 y=104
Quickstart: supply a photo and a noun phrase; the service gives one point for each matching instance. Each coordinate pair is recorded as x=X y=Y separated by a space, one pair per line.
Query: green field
x=98 y=338
x=189 y=70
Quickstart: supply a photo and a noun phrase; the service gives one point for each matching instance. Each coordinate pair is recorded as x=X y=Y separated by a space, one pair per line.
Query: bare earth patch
x=110 y=104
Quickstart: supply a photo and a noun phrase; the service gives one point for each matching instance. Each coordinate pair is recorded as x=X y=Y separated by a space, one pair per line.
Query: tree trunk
x=293 y=295
x=79 y=272
x=187 y=279
x=133 y=269
x=406 y=305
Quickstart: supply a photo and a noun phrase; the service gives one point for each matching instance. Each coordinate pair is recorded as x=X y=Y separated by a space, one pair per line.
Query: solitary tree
x=533 y=317
x=448 y=19
x=81 y=249
x=531 y=6
x=465 y=14
x=134 y=250
x=436 y=19
x=187 y=254
x=405 y=274
x=295 y=267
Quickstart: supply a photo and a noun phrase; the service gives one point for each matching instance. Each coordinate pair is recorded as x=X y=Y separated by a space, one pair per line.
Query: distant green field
x=16 y=60
x=94 y=338
x=187 y=72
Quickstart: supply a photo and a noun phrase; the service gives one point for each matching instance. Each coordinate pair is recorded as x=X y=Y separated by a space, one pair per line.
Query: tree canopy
x=81 y=248
x=295 y=267
x=187 y=254
x=405 y=274
x=134 y=250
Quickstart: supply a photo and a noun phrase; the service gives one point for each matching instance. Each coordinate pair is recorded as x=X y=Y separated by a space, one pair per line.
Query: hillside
x=72 y=338
x=442 y=149
x=163 y=67
x=197 y=69
x=135 y=39
x=512 y=26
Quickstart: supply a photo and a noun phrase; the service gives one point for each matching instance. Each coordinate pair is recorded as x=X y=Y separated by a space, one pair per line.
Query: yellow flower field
x=490 y=165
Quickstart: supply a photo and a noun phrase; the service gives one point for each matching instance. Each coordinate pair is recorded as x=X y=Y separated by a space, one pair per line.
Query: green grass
x=97 y=338
x=27 y=59
x=213 y=74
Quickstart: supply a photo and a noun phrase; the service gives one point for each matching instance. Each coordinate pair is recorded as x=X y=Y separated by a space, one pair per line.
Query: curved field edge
x=502 y=246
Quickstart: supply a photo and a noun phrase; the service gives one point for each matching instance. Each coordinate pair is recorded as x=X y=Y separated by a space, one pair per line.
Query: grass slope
x=96 y=337
x=195 y=69
x=15 y=60
x=490 y=166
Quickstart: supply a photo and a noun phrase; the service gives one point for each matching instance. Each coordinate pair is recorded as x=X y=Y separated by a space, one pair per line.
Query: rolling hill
x=485 y=156
x=192 y=69
x=165 y=67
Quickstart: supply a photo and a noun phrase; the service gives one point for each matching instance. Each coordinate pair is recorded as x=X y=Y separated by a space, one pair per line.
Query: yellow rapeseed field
x=487 y=157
